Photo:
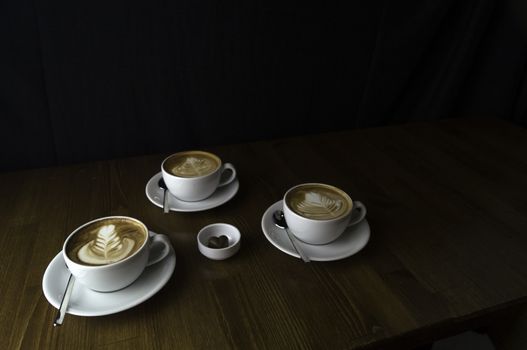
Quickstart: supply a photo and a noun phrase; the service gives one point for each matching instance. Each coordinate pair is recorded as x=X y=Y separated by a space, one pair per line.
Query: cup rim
x=192 y=177
x=111 y=265
x=342 y=192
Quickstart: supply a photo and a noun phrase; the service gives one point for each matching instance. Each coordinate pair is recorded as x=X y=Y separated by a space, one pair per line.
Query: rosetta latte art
x=316 y=205
x=193 y=166
x=106 y=248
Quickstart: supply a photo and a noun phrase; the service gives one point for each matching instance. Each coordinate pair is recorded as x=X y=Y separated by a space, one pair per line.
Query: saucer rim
x=235 y=183
x=162 y=281
x=267 y=235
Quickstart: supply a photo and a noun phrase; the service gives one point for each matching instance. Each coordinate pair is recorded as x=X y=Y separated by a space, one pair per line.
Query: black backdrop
x=85 y=80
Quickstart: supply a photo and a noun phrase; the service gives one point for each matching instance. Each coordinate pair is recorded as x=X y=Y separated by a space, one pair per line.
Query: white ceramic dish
x=216 y=230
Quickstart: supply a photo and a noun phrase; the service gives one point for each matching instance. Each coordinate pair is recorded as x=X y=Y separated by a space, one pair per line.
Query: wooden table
x=447 y=205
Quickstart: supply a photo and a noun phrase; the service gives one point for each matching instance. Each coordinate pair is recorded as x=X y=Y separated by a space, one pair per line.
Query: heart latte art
x=106 y=242
x=318 y=202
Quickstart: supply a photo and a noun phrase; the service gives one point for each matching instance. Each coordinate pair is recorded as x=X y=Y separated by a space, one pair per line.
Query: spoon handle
x=165 y=202
x=65 y=301
x=297 y=247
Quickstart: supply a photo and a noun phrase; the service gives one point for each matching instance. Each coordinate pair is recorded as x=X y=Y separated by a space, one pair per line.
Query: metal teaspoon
x=279 y=221
x=163 y=186
x=64 y=302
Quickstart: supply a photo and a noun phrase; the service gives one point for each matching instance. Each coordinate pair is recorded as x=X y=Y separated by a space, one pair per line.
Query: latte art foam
x=191 y=164
x=318 y=202
x=106 y=248
x=106 y=241
x=194 y=166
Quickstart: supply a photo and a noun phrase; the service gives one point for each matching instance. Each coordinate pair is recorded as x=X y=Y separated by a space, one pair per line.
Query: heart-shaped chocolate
x=218 y=242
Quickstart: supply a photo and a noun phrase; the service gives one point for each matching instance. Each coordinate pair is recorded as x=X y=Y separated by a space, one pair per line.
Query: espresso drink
x=192 y=164
x=318 y=201
x=106 y=241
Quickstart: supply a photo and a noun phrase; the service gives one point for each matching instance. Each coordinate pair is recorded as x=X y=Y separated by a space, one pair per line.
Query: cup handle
x=159 y=248
x=228 y=166
x=358 y=213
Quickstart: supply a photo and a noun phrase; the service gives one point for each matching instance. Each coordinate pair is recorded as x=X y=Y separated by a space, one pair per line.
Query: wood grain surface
x=446 y=204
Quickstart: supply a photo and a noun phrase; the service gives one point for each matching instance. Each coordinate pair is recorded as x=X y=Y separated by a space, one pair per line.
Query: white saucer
x=222 y=195
x=349 y=243
x=87 y=302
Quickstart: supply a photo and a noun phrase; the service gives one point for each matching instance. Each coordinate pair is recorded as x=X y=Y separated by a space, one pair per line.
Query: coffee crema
x=192 y=164
x=106 y=241
x=318 y=201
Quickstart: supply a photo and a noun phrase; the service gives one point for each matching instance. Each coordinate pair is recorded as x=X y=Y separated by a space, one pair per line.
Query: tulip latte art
x=318 y=202
x=192 y=164
x=105 y=242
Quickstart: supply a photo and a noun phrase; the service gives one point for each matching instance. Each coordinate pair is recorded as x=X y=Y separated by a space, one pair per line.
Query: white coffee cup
x=108 y=276
x=319 y=213
x=195 y=175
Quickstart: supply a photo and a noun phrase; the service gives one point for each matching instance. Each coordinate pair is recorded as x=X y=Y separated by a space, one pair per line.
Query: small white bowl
x=217 y=230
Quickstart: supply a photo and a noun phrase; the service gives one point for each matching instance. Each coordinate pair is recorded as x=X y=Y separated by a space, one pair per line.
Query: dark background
x=86 y=80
